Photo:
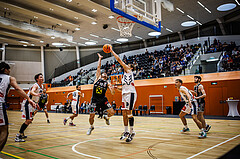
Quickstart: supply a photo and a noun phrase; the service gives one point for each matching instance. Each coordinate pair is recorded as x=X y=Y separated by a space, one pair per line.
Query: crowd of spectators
x=171 y=61
x=168 y=62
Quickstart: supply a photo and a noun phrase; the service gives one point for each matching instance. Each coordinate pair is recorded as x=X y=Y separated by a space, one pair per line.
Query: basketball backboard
x=145 y=12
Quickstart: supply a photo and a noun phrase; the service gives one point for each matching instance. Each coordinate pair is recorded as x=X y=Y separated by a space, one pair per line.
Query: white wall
x=25 y=70
x=228 y=39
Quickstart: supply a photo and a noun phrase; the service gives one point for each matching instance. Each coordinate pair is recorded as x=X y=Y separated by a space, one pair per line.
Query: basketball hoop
x=125 y=26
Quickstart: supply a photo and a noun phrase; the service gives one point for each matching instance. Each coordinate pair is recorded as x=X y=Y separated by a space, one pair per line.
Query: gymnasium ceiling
x=63 y=17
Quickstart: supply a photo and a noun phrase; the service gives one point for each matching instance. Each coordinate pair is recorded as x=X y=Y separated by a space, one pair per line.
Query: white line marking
x=213 y=147
x=73 y=148
x=154 y=138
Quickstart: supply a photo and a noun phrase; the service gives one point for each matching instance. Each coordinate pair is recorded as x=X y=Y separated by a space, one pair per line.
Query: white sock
x=47 y=119
x=185 y=126
x=202 y=129
x=126 y=128
x=67 y=118
x=131 y=129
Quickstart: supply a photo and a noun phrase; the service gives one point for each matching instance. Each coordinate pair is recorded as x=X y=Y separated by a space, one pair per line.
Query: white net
x=125 y=26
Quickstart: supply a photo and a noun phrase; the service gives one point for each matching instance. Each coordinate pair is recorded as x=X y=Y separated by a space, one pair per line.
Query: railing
x=193 y=60
x=219 y=64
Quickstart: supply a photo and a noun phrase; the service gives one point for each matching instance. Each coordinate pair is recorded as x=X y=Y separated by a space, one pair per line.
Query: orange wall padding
x=228 y=85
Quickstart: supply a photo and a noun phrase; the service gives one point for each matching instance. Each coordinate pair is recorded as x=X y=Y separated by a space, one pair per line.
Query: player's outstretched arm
x=125 y=67
x=98 y=73
x=14 y=84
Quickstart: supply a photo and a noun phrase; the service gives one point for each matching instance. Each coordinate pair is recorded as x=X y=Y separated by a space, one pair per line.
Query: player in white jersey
x=27 y=114
x=76 y=95
x=5 y=82
x=189 y=108
x=129 y=97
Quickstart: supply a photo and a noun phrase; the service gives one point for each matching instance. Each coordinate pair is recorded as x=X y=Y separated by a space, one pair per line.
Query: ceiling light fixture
x=90 y=43
x=122 y=39
x=237 y=2
x=93 y=23
x=77 y=29
x=188 y=23
x=53 y=37
x=94 y=10
x=190 y=17
x=106 y=39
x=57 y=44
x=226 y=7
x=51 y=9
x=169 y=30
x=25 y=42
x=138 y=37
x=41 y=41
x=180 y=10
x=69 y=1
x=25 y=45
x=111 y=17
x=35 y=17
x=115 y=29
x=76 y=17
x=32 y=44
x=83 y=38
x=154 y=33
x=204 y=7
x=199 y=23
x=94 y=35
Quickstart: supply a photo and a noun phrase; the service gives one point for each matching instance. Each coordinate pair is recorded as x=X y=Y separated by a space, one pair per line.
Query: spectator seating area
x=171 y=61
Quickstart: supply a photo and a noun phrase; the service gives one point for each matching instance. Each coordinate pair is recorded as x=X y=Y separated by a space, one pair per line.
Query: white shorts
x=27 y=110
x=190 y=110
x=128 y=101
x=75 y=107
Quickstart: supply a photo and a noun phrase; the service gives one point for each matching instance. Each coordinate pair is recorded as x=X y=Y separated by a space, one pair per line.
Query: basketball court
x=157 y=137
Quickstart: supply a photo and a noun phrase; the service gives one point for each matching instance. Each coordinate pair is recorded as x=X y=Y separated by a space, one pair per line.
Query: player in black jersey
x=43 y=101
x=200 y=94
x=99 y=101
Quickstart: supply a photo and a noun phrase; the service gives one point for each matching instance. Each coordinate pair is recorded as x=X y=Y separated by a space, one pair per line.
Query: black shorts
x=201 y=106
x=42 y=106
x=98 y=105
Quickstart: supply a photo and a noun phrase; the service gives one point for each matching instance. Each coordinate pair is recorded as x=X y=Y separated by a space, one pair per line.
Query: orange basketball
x=107 y=48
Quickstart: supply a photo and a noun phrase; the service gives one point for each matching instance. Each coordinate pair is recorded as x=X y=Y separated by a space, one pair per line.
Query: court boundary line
x=214 y=146
x=11 y=155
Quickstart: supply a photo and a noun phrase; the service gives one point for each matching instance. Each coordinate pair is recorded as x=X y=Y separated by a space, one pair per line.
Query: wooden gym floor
x=156 y=137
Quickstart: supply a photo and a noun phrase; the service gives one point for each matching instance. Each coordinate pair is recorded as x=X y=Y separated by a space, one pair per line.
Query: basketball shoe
x=130 y=137
x=90 y=130
x=124 y=135
x=71 y=124
x=208 y=127
x=185 y=130
x=19 y=138
x=107 y=120
x=203 y=134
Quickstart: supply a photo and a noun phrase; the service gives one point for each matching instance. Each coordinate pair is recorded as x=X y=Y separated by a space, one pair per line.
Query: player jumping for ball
x=129 y=97
x=99 y=101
